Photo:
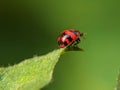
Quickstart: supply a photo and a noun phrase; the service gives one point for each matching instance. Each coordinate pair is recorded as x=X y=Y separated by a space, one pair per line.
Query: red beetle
x=69 y=37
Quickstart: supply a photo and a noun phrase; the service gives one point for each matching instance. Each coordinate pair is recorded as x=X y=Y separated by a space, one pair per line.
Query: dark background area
x=29 y=28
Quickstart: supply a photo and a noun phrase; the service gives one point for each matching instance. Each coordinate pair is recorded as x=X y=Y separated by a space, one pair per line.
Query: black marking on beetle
x=65 y=37
x=69 y=38
x=65 y=43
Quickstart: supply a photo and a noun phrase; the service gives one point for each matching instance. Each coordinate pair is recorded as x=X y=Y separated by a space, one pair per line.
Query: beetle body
x=69 y=37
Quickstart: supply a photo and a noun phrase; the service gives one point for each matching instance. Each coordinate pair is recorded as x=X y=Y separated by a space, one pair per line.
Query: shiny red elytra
x=69 y=37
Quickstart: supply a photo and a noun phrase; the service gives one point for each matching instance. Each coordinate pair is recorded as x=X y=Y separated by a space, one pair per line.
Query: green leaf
x=33 y=73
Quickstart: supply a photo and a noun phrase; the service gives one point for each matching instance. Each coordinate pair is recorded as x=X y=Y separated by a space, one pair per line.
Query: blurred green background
x=31 y=27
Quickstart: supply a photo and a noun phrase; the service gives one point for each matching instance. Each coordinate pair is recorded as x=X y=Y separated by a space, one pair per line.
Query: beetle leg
x=77 y=41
